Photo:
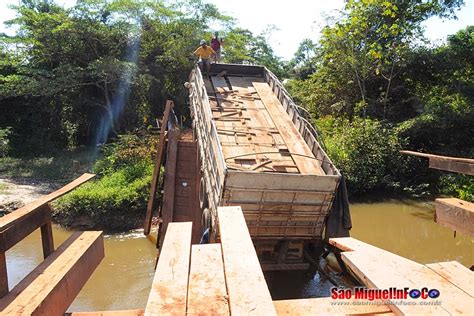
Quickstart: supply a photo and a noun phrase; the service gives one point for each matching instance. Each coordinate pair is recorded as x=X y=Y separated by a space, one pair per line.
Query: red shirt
x=215 y=43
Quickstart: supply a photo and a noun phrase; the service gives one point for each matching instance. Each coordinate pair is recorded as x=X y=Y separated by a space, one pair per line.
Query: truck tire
x=203 y=203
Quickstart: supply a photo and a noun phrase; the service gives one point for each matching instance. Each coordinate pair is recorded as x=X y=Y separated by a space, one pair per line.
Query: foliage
x=117 y=199
x=59 y=166
x=241 y=46
x=4 y=141
x=108 y=203
x=78 y=76
x=366 y=151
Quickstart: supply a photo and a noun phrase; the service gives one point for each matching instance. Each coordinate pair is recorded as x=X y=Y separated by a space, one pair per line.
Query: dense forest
x=98 y=74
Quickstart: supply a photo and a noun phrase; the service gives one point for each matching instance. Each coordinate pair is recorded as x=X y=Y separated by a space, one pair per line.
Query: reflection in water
x=123 y=279
x=408 y=230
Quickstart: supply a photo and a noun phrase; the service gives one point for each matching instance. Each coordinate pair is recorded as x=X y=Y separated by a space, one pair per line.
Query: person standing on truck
x=216 y=44
x=204 y=53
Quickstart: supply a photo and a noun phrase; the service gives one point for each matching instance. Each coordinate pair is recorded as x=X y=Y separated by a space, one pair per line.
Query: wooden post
x=47 y=236
x=151 y=207
x=3 y=275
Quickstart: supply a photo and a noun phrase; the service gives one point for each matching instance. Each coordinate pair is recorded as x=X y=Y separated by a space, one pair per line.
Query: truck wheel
x=202 y=194
x=206 y=219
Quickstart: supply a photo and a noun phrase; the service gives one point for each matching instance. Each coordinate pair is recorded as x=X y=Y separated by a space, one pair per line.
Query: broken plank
x=168 y=292
x=298 y=148
x=207 y=293
x=52 y=286
x=455 y=214
x=329 y=306
x=15 y=216
x=455 y=273
x=248 y=292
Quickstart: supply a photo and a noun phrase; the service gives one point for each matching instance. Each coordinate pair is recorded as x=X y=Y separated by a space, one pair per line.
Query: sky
x=292 y=20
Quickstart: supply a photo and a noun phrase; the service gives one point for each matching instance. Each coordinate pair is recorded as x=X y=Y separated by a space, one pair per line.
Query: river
x=123 y=279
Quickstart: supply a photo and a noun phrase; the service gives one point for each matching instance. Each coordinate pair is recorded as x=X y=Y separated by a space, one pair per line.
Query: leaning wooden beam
x=207 y=293
x=132 y=312
x=15 y=216
x=246 y=286
x=52 y=286
x=329 y=306
x=453 y=164
x=455 y=214
x=151 y=206
x=167 y=209
x=168 y=293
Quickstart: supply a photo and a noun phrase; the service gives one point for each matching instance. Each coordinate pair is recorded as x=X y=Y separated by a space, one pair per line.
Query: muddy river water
x=123 y=279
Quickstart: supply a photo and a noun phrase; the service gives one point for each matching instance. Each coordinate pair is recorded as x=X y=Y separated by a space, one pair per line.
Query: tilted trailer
x=258 y=151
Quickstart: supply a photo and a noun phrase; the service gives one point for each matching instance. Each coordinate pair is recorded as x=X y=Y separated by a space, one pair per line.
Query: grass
x=63 y=166
x=4 y=188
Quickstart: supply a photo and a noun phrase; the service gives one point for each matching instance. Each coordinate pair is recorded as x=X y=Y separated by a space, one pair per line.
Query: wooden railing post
x=3 y=275
x=47 y=235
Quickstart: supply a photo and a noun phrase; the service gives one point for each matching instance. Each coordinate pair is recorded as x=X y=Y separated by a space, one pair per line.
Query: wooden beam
x=23 y=226
x=329 y=306
x=299 y=150
x=455 y=214
x=370 y=264
x=132 y=312
x=52 y=286
x=246 y=286
x=3 y=275
x=151 y=206
x=453 y=164
x=167 y=208
x=455 y=273
x=47 y=239
x=168 y=293
x=15 y=216
x=207 y=293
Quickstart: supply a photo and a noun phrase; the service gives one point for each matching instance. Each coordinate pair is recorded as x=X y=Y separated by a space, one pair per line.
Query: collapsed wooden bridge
x=224 y=278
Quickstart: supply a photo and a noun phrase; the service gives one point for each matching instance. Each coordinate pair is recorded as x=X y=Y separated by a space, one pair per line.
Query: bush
x=117 y=200
x=4 y=141
x=366 y=151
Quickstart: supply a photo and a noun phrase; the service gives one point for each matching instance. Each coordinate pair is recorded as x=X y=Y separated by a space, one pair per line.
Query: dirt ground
x=16 y=193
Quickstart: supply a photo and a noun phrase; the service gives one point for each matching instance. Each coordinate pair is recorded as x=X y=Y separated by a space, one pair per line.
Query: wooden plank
x=132 y=312
x=246 y=286
x=455 y=214
x=207 y=293
x=278 y=181
x=169 y=185
x=299 y=150
x=168 y=293
x=23 y=226
x=52 y=286
x=453 y=164
x=3 y=275
x=327 y=306
x=15 y=216
x=372 y=268
x=455 y=273
x=151 y=206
